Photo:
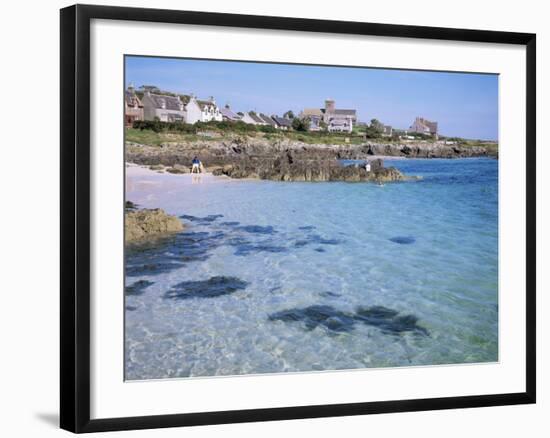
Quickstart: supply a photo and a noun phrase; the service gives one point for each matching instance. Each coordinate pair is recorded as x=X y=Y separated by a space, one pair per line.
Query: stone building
x=166 y=108
x=424 y=126
x=335 y=119
x=133 y=108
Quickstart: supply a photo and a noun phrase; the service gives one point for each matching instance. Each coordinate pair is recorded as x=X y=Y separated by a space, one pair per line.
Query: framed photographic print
x=270 y=218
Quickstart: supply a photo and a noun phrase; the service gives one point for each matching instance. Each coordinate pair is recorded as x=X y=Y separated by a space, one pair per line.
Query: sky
x=464 y=104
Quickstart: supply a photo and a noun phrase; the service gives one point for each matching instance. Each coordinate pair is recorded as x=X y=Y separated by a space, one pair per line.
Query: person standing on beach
x=196 y=165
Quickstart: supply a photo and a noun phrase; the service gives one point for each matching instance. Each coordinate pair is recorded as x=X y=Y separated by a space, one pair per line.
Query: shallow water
x=317 y=276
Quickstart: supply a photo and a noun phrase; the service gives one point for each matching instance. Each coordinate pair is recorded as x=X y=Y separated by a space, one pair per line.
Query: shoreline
x=136 y=173
x=139 y=174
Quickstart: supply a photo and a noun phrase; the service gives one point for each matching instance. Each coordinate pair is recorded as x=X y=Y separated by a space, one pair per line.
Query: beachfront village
x=149 y=103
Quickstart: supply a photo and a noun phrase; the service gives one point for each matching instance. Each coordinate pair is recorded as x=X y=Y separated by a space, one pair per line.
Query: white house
x=387 y=131
x=201 y=110
x=340 y=124
x=163 y=107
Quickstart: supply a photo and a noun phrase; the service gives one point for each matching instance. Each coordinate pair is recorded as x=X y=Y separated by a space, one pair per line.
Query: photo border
x=75 y=217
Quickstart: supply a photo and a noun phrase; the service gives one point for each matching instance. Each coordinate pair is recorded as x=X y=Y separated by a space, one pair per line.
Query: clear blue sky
x=464 y=104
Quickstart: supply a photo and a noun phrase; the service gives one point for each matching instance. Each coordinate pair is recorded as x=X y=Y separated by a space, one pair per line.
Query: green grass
x=491 y=147
x=149 y=137
x=152 y=138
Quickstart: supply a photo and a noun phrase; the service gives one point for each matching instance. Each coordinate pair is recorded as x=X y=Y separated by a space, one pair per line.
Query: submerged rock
x=257 y=229
x=403 y=240
x=169 y=252
x=145 y=223
x=317 y=315
x=244 y=247
x=387 y=320
x=211 y=288
x=138 y=287
x=201 y=220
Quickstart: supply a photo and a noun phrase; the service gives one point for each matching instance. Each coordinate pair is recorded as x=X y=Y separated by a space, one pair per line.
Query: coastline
x=286 y=160
x=140 y=173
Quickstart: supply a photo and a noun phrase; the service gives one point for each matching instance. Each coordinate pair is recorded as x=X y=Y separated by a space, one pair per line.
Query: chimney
x=329 y=106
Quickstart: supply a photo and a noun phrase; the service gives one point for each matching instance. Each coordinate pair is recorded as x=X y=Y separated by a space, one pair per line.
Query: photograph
x=290 y=218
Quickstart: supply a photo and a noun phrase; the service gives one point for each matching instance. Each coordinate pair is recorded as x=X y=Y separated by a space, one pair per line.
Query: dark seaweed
x=387 y=320
x=138 y=287
x=257 y=229
x=403 y=240
x=201 y=220
x=167 y=254
x=211 y=288
x=315 y=239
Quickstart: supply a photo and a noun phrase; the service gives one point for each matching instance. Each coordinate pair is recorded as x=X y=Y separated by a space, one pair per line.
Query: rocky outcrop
x=224 y=152
x=141 y=224
x=289 y=167
x=426 y=150
x=178 y=168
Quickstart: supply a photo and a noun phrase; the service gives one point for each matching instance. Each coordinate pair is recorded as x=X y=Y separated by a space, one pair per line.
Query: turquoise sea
x=273 y=277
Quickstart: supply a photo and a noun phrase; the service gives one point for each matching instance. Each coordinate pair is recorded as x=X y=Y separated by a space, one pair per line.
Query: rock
x=129 y=205
x=288 y=167
x=283 y=159
x=231 y=151
x=389 y=321
x=145 y=223
x=178 y=168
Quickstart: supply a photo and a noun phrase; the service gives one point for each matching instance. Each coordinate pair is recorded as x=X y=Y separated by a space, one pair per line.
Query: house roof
x=204 y=103
x=131 y=99
x=169 y=102
x=185 y=98
x=226 y=112
x=255 y=117
x=313 y=112
x=267 y=119
x=345 y=112
x=281 y=121
x=321 y=111
x=339 y=122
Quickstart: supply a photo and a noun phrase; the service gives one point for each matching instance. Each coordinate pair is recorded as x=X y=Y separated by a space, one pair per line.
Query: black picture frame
x=75 y=217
